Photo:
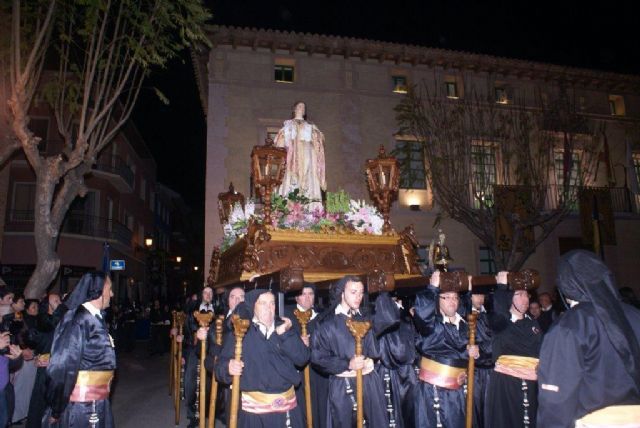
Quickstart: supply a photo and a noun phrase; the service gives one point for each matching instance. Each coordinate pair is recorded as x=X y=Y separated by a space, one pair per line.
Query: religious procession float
x=295 y=236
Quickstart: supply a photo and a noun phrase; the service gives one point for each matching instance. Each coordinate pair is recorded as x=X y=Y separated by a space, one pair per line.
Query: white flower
x=237 y=214
x=249 y=209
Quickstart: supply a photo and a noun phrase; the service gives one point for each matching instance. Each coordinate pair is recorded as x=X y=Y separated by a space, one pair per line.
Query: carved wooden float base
x=313 y=257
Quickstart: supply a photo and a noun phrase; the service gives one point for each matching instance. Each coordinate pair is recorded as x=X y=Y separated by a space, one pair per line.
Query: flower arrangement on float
x=342 y=215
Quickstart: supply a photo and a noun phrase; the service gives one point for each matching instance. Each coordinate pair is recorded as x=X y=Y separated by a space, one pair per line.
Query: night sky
x=603 y=36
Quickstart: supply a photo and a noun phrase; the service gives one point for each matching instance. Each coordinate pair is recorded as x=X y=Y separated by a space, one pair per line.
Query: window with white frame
x=616 y=105
x=284 y=70
x=484 y=172
x=569 y=168
x=451 y=89
x=411 y=161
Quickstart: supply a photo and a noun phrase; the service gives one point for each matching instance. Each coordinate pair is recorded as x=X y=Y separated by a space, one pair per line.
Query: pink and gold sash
x=441 y=375
x=92 y=385
x=260 y=402
x=517 y=366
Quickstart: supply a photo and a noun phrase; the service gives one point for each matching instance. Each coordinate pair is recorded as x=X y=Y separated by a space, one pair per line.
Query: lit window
x=284 y=73
x=483 y=164
x=452 y=89
x=569 y=168
x=616 y=105
x=411 y=161
x=501 y=95
x=399 y=84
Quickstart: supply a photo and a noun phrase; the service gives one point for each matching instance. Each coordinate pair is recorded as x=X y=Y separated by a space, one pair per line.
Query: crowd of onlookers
x=26 y=335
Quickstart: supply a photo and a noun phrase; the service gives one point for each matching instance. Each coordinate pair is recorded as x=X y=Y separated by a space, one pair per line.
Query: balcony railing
x=622 y=199
x=77 y=224
x=117 y=166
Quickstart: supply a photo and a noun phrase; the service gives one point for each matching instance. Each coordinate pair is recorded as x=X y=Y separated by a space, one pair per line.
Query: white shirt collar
x=340 y=310
x=313 y=312
x=267 y=331
x=548 y=308
x=515 y=318
x=456 y=320
x=206 y=307
x=92 y=309
x=482 y=309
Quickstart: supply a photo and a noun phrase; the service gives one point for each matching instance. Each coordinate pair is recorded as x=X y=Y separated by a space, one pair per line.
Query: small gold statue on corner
x=439 y=256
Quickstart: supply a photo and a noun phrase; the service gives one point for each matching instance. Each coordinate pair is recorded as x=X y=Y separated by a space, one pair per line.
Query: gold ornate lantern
x=226 y=202
x=383 y=180
x=267 y=169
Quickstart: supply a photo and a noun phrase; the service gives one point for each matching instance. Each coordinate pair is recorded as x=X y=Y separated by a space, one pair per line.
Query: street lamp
x=383 y=180
x=195 y=268
x=148 y=242
x=178 y=259
x=267 y=169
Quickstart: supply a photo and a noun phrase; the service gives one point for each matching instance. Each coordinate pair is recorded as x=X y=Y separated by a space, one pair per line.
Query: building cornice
x=414 y=55
x=364 y=49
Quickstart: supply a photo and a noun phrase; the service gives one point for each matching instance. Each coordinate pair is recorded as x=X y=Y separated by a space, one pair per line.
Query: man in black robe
x=82 y=360
x=305 y=300
x=191 y=354
x=333 y=353
x=271 y=350
x=591 y=358
x=233 y=298
x=511 y=400
x=396 y=336
x=443 y=344
x=474 y=302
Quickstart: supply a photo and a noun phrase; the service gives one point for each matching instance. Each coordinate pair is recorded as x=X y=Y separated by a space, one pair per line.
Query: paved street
x=141 y=395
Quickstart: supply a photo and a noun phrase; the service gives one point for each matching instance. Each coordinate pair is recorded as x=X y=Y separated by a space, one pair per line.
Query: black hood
x=583 y=277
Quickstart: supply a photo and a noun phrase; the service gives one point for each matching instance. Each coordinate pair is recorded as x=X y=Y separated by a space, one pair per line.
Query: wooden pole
x=172 y=360
x=471 y=318
x=204 y=319
x=214 y=383
x=358 y=329
x=304 y=318
x=240 y=327
x=180 y=317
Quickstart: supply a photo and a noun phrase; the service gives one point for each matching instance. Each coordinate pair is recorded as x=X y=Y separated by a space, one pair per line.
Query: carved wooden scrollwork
x=409 y=244
x=214 y=267
x=378 y=280
x=335 y=260
x=365 y=259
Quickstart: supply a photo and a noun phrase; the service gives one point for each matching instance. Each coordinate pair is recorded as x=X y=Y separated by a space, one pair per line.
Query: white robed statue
x=305 y=156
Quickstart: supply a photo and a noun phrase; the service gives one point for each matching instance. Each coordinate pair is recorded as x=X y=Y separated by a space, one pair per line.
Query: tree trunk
x=45 y=235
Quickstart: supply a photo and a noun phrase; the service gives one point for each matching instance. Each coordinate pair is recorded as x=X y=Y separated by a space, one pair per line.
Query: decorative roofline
x=348 y=47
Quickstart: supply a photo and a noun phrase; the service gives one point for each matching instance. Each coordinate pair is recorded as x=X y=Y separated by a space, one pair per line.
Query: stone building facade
x=250 y=78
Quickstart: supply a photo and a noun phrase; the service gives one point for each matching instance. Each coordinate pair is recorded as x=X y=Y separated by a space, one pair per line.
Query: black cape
x=580 y=371
x=270 y=367
x=505 y=394
x=332 y=347
x=441 y=342
x=81 y=342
